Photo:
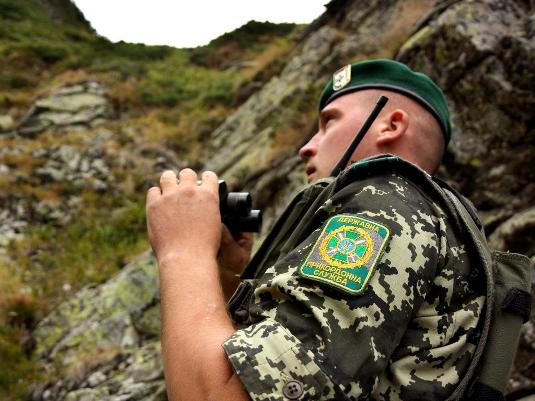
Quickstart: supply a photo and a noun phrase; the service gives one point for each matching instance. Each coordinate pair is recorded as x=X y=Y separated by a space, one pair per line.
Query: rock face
x=480 y=52
x=70 y=153
x=83 y=104
x=85 y=166
x=248 y=144
x=82 y=165
x=106 y=339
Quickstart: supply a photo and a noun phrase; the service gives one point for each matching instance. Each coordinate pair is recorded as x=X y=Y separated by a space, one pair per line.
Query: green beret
x=393 y=76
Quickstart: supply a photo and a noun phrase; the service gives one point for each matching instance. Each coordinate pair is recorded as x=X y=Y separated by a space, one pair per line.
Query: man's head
x=413 y=125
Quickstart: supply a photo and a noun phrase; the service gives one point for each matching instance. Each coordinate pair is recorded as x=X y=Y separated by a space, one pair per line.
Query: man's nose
x=309 y=149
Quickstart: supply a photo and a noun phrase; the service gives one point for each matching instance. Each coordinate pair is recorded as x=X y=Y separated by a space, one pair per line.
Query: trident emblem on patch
x=347 y=247
x=346 y=252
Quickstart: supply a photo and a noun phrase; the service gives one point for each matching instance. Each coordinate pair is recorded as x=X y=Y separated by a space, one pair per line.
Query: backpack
x=508 y=282
x=507 y=275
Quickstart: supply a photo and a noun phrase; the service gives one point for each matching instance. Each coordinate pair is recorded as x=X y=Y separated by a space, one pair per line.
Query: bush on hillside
x=252 y=35
x=11 y=10
x=50 y=53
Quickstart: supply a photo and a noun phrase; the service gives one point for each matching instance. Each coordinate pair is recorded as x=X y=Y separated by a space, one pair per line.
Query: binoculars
x=236 y=211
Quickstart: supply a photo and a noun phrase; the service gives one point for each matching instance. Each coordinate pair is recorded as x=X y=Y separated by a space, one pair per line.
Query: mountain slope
x=79 y=186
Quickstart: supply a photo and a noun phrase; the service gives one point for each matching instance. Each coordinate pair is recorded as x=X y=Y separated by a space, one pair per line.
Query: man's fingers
x=226 y=235
x=246 y=238
x=153 y=193
x=243 y=239
x=187 y=176
x=210 y=180
x=168 y=180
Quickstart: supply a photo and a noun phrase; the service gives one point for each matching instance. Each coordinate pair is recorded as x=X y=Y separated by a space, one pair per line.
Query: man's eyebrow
x=332 y=112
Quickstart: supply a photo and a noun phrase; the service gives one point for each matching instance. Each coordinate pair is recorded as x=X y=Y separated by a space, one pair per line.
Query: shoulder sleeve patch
x=345 y=254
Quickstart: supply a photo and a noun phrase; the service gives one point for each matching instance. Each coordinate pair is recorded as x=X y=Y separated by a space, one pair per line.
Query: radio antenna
x=365 y=127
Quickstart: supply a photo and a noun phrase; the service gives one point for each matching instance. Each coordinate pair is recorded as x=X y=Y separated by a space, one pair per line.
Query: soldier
x=363 y=290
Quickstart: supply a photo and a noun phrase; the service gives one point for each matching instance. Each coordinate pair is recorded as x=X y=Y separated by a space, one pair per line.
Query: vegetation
x=173 y=97
x=250 y=38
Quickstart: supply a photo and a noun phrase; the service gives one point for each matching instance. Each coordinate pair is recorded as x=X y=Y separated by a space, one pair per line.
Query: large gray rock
x=270 y=126
x=104 y=340
x=241 y=144
x=482 y=53
x=84 y=104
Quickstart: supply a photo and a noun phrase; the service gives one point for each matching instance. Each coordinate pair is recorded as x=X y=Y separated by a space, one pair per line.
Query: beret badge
x=341 y=77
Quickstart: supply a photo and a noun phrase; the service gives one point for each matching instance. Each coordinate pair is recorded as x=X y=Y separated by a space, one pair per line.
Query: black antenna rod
x=365 y=127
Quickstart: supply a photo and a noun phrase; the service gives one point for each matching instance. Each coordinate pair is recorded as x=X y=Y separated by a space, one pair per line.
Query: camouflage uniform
x=409 y=335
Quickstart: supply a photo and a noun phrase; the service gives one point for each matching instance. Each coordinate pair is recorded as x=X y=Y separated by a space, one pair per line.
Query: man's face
x=339 y=123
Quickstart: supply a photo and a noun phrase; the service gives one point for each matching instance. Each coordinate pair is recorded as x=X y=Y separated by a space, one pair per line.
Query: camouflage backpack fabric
x=373 y=285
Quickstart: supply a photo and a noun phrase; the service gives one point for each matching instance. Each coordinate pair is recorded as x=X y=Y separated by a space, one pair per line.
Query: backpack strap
x=518 y=302
x=512 y=307
x=485 y=256
x=508 y=306
x=465 y=202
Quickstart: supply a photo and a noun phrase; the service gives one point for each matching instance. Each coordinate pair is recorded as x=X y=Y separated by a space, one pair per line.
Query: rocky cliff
x=102 y=342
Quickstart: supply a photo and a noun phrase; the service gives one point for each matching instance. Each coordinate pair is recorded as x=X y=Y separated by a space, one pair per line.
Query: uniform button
x=293 y=389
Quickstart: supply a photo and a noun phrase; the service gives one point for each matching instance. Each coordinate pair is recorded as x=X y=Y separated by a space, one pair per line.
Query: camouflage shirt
x=408 y=335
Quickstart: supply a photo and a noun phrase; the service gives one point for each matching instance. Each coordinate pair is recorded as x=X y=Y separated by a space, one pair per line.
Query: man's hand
x=233 y=256
x=184 y=227
x=183 y=218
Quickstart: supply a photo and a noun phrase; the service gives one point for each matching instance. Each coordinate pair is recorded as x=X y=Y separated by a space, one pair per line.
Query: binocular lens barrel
x=239 y=202
x=251 y=223
x=236 y=210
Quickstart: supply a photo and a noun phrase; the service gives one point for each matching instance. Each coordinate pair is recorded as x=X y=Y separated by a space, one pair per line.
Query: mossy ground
x=171 y=98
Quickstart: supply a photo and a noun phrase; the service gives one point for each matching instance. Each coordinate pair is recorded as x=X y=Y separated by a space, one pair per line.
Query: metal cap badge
x=341 y=77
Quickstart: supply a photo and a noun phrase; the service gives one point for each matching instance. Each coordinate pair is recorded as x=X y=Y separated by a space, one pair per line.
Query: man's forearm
x=229 y=283
x=194 y=325
x=184 y=227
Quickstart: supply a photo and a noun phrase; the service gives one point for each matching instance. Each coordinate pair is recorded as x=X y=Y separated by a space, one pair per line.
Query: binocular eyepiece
x=236 y=211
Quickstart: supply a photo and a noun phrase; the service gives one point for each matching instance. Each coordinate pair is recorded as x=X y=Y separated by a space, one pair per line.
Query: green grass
x=89 y=250
x=172 y=83
x=17 y=374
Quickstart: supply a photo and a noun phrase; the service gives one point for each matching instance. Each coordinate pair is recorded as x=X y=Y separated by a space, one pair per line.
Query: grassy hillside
x=165 y=100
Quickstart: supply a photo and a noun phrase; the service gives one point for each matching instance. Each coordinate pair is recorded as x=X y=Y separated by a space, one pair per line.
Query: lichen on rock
x=100 y=320
x=83 y=104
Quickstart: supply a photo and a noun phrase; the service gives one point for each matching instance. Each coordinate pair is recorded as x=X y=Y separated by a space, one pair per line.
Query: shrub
x=14 y=80
x=219 y=92
x=253 y=36
x=140 y=52
x=11 y=10
x=252 y=33
x=48 y=52
x=20 y=311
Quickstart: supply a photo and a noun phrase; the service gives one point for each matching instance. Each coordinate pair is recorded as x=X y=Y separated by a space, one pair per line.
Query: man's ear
x=392 y=127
